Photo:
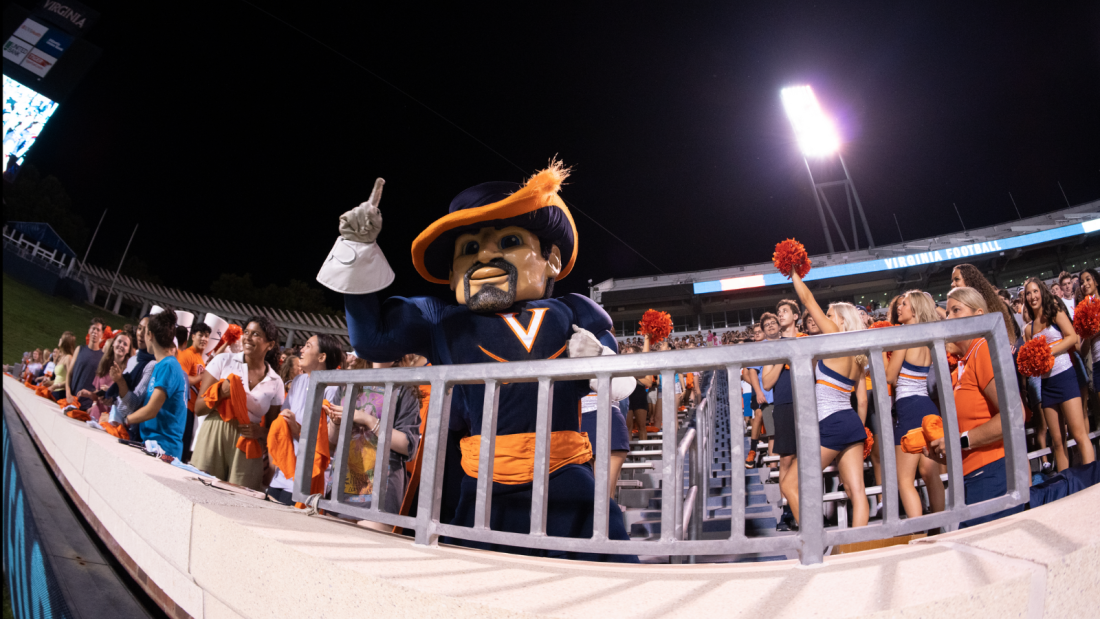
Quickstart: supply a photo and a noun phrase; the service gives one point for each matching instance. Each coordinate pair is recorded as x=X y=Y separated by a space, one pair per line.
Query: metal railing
x=810 y=541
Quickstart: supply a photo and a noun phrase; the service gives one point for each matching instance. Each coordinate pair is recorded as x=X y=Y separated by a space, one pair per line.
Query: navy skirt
x=911 y=413
x=1060 y=387
x=841 y=429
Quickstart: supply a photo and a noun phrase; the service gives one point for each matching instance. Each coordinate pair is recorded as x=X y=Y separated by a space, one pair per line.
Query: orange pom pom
x=789 y=256
x=868 y=443
x=1086 y=317
x=657 y=325
x=879 y=324
x=232 y=335
x=952 y=361
x=1035 y=358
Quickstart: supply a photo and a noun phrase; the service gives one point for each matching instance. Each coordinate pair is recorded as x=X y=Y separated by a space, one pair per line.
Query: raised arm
x=808 y=300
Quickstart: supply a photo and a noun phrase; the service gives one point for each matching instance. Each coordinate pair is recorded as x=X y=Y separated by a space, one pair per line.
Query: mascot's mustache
x=499 y=263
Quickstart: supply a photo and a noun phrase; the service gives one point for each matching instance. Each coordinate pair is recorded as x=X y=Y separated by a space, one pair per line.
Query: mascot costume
x=501 y=247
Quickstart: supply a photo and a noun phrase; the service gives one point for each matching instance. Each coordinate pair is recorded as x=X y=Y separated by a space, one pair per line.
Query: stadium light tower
x=818 y=139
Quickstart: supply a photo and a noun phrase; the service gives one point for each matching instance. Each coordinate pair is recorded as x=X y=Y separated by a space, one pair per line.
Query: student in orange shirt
x=191 y=362
x=984 y=471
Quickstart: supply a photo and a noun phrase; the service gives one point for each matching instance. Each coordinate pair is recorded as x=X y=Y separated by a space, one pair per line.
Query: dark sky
x=219 y=113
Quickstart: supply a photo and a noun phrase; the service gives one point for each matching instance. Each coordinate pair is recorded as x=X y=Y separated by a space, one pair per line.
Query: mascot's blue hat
x=535 y=206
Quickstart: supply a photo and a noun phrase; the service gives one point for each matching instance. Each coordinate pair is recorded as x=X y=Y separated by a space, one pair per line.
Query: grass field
x=33 y=319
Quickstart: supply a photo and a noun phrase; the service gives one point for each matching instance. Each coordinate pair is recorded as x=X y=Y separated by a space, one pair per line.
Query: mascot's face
x=494 y=269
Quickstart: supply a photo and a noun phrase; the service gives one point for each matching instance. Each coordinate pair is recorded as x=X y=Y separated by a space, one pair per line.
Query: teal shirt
x=167 y=427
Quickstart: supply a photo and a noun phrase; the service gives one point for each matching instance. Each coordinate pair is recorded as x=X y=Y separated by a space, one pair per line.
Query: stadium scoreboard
x=45 y=57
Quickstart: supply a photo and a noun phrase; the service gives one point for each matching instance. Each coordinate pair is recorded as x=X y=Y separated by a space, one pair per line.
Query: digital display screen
x=25 y=114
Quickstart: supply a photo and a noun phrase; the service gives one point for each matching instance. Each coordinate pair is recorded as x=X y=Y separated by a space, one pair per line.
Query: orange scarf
x=234 y=408
x=280 y=446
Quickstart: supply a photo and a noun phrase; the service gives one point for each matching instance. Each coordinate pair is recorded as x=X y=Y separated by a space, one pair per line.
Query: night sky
x=236 y=141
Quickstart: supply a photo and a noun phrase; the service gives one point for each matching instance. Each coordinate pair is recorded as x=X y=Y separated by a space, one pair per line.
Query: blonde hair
x=850 y=321
x=849 y=316
x=923 y=307
x=969 y=297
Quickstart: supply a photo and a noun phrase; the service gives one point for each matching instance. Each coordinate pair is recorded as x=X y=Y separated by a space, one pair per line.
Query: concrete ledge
x=214 y=554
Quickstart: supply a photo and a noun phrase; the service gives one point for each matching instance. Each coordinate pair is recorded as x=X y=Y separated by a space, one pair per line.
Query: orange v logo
x=526 y=336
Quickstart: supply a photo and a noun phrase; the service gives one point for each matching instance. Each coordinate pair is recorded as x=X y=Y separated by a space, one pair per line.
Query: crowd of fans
x=214 y=409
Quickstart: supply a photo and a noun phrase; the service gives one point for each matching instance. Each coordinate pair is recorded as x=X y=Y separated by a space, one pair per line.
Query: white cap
x=156 y=309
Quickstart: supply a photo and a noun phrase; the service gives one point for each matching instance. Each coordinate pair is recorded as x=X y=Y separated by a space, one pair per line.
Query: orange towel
x=235 y=407
x=42 y=391
x=932 y=426
x=280 y=446
x=916 y=439
x=117 y=432
x=78 y=415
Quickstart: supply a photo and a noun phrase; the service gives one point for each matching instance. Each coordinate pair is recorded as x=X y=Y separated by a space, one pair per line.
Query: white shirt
x=296 y=403
x=1070 y=304
x=131 y=363
x=267 y=393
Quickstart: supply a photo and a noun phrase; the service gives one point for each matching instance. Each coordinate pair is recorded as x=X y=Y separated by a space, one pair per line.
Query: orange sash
x=514 y=461
x=234 y=408
x=280 y=446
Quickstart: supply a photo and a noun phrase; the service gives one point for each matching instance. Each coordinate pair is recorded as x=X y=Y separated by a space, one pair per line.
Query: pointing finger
x=376 y=193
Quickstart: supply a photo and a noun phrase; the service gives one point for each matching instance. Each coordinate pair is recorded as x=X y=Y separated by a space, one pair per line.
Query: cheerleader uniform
x=911 y=399
x=838 y=423
x=1060 y=383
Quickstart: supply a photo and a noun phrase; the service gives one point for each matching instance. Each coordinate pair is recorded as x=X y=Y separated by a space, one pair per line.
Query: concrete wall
x=208 y=553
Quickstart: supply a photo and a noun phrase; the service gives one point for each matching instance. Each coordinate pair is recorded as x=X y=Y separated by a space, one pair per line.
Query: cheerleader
x=1090 y=288
x=1061 y=395
x=907 y=372
x=842 y=433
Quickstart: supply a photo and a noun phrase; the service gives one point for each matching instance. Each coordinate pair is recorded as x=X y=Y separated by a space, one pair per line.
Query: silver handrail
x=812 y=538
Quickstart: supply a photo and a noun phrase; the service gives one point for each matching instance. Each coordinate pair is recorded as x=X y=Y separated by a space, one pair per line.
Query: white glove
x=363 y=223
x=584 y=344
x=355 y=264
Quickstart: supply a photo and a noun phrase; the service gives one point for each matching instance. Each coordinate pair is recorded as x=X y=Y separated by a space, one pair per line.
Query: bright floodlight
x=815 y=133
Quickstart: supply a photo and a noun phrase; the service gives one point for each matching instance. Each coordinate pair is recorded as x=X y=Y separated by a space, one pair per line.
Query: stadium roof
x=1007 y=239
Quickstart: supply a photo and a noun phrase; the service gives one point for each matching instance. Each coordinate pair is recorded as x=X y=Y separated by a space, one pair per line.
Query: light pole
x=817 y=138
